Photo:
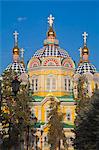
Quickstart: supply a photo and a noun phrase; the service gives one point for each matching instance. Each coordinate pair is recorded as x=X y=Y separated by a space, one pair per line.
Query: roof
x=39 y=124
x=51 y=50
x=68 y=98
x=86 y=67
x=17 y=67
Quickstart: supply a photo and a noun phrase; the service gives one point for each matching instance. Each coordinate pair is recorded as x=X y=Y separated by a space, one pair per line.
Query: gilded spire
x=15 y=49
x=51 y=35
x=85 y=50
x=51 y=32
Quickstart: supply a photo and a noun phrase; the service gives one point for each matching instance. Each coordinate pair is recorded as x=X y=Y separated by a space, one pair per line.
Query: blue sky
x=29 y=18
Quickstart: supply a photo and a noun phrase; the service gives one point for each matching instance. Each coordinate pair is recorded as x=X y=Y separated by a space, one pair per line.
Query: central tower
x=51 y=68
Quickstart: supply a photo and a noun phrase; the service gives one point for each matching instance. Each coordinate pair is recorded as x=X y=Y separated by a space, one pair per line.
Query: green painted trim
x=38 y=125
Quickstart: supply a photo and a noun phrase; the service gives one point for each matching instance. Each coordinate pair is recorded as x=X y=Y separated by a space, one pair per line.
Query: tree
x=87 y=120
x=92 y=123
x=15 y=109
x=55 y=131
x=81 y=114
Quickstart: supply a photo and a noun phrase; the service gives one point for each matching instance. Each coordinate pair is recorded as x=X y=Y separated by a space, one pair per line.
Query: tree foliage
x=15 y=109
x=55 y=132
x=87 y=119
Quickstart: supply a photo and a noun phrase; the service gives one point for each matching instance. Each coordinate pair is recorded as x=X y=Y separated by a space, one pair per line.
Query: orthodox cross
x=22 y=52
x=16 y=37
x=80 y=50
x=50 y=20
x=85 y=37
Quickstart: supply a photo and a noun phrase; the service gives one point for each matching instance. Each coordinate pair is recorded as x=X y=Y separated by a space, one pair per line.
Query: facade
x=52 y=72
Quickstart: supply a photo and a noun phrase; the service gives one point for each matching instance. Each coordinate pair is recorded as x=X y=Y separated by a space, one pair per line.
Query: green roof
x=65 y=125
x=68 y=98
x=38 y=125
x=37 y=98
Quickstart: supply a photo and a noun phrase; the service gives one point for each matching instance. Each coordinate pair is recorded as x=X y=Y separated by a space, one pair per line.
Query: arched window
x=68 y=115
x=51 y=83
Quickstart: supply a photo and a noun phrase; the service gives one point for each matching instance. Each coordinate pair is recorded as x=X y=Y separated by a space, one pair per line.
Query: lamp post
x=15 y=89
x=15 y=86
x=21 y=133
x=27 y=137
x=41 y=137
x=33 y=131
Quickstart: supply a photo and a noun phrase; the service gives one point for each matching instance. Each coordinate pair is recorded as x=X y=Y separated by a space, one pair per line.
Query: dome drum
x=51 y=41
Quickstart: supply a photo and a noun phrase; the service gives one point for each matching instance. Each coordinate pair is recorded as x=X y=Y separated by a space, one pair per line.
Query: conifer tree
x=81 y=111
x=56 y=132
x=15 y=109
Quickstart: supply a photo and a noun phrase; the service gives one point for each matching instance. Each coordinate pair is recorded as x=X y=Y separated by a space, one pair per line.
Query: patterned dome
x=86 y=67
x=51 y=50
x=17 y=67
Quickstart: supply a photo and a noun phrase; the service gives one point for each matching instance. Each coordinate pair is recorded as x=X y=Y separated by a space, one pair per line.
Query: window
x=47 y=113
x=35 y=84
x=67 y=84
x=51 y=83
x=45 y=140
x=68 y=115
x=48 y=84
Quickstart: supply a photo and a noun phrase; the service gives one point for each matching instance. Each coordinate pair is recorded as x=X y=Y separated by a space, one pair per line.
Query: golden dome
x=16 y=50
x=85 y=50
x=51 y=32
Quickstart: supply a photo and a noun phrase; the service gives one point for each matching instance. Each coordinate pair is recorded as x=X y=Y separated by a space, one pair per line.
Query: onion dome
x=86 y=67
x=16 y=50
x=17 y=67
x=85 y=50
x=51 y=44
x=51 y=32
x=51 y=50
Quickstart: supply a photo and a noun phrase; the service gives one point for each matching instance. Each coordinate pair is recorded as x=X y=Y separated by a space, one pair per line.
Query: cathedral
x=52 y=72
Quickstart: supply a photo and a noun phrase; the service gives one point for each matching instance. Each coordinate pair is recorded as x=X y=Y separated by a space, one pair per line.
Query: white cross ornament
x=16 y=37
x=22 y=52
x=50 y=20
x=80 y=49
x=85 y=37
